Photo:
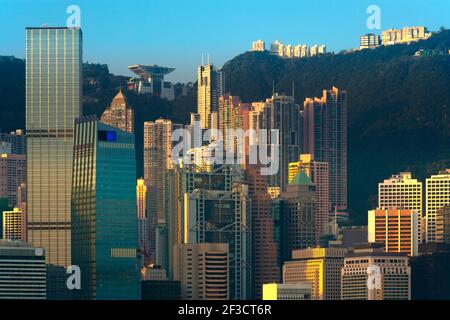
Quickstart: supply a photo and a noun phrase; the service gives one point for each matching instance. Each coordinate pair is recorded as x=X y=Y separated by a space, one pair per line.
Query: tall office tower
x=369 y=41
x=23 y=271
x=14 y=225
x=211 y=85
x=265 y=265
x=233 y=123
x=397 y=229
x=217 y=210
x=287 y=291
x=17 y=141
x=318 y=172
x=203 y=270
x=146 y=224
x=53 y=102
x=104 y=223
x=119 y=114
x=319 y=266
x=372 y=274
x=278 y=113
x=437 y=195
x=401 y=191
x=157 y=161
x=13 y=172
x=325 y=138
x=299 y=206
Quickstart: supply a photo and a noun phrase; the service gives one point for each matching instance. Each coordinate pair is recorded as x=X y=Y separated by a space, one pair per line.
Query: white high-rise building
x=399 y=192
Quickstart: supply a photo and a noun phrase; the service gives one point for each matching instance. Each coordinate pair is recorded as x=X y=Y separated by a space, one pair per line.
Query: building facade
x=437 y=195
x=319 y=266
x=318 y=172
x=119 y=114
x=299 y=209
x=16 y=140
x=203 y=270
x=13 y=172
x=369 y=41
x=371 y=274
x=23 y=271
x=402 y=192
x=325 y=138
x=211 y=85
x=53 y=73
x=104 y=223
x=146 y=224
x=404 y=35
x=266 y=266
x=258 y=45
x=398 y=230
x=287 y=291
x=14 y=225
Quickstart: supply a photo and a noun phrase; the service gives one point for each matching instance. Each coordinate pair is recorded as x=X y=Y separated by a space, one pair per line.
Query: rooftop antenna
x=273 y=88
x=202 y=58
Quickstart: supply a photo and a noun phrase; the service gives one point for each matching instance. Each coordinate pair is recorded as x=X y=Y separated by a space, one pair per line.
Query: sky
x=175 y=33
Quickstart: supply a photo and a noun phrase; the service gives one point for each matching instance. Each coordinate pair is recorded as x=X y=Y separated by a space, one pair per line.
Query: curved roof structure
x=150 y=71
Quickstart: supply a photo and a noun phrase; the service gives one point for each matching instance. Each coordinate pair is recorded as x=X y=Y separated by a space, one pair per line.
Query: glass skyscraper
x=104 y=222
x=53 y=102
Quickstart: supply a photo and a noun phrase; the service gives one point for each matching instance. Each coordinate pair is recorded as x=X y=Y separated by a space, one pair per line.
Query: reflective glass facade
x=53 y=101
x=104 y=222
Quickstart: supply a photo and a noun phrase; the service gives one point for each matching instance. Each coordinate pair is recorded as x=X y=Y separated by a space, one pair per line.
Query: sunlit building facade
x=369 y=41
x=211 y=85
x=217 y=210
x=203 y=270
x=437 y=195
x=398 y=230
x=287 y=291
x=14 y=225
x=258 y=45
x=405 y=35
x=13 y=172
x=325 y=138
x=104 y=223
x=390 y=276
x=402 y=192
x=146 y=224
x=319 y=266
x=53 y=94
x=119 y=114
